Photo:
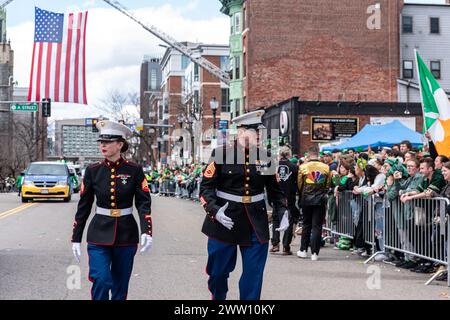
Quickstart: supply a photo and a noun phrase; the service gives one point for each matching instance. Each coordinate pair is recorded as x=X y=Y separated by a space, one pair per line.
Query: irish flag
x=436 y=108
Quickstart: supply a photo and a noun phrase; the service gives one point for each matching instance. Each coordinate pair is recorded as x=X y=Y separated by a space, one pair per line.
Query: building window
x=184 y=62
x=231 y=69
x=237 y=64
x=436 y=69
x=244 y=18
x=196 y=101
x=225 y=100
x=244 y=65
x=408 y=69
x=434 y=25
x=407 y=24
x=225 y=63
x=232 y=25
x=196 y=73
x=237 y=105
x=153 y=80
x=237 y=22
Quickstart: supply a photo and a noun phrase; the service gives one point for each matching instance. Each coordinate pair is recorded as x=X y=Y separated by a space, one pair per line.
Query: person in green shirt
x=19 y=183
x=432 y=181
x=397 y=185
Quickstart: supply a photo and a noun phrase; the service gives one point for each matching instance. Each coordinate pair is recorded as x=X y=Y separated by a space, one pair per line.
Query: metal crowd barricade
x=419 y=229
x=184 y=190
x=177 y=190
x=344 y=220
x=368 y=219
x=353 y=211
x=166 y=188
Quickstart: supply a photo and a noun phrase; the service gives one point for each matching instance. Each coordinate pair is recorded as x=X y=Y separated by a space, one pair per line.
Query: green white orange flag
x=436 y=108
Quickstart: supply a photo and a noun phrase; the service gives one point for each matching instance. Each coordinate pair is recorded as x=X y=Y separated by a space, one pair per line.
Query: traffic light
x=94 y=125
x=46 y=108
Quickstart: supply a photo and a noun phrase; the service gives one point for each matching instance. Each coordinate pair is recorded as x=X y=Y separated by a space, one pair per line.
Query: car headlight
x=28 y=183
x=62 y=183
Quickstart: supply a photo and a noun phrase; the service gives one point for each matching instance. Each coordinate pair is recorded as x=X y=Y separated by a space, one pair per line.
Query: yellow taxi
x=45 y=180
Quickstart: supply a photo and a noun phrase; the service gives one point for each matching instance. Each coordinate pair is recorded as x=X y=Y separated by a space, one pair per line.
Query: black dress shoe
x=400 y=264
x=409 y=265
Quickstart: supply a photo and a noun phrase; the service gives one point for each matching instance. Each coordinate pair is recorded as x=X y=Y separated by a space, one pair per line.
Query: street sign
x=30 y=107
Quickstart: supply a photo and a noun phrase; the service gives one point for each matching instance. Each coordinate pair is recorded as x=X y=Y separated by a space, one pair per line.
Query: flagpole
x=416 y=53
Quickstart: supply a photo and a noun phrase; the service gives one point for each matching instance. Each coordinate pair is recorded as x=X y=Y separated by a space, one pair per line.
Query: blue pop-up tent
x=380 y=136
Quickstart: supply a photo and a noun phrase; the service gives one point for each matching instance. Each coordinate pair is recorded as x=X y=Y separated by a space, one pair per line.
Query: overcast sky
x=115 y=44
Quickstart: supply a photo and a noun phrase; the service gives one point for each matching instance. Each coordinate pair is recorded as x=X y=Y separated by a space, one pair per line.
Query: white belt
x=244 y=199
x=114 y=212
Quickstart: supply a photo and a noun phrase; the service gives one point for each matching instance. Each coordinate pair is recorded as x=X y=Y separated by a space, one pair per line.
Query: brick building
x=187 y=90
x=199 y=89
x=150 y=99
x=317 y=50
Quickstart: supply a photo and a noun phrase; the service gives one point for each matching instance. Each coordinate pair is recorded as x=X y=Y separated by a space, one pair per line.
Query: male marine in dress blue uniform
x=232 y=194
x=113 y=234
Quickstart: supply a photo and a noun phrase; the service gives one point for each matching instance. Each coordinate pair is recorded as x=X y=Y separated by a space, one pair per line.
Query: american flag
x=58 y=69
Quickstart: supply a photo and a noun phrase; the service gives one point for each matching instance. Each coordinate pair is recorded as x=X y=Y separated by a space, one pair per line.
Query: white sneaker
x=314 y=257
x=380 y=257
x=302 y=254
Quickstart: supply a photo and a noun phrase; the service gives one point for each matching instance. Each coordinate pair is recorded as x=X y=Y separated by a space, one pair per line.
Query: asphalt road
x=36 y=261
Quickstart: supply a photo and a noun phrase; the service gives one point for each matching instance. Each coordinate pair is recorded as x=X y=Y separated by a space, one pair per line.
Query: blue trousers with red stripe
x=222 y=261
x=110 y=270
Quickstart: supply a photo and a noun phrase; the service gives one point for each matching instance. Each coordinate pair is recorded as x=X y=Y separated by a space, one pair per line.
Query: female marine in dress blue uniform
x=113 y=234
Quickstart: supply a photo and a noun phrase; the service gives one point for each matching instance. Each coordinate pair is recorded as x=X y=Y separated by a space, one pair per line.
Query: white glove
x=76 y=249
x=284 y=224
x=223 y=219
x=146 y=242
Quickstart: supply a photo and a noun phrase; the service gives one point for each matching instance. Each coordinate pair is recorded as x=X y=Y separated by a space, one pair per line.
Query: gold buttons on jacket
x=112 y=197
x=113 y=204
x=113 y=170
x=113 y=183
x=112 y=190
x=246 y=185
x=248 y=170
x=247 y=192
x=247 y=163
x=113 y=177
x=248 y=178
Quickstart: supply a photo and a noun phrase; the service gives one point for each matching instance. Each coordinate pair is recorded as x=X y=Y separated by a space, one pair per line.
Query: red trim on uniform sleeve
x=82 y=188
x=144 y=186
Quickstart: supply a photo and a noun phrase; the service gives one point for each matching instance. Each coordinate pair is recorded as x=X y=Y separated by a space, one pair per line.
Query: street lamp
x=214 y=106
